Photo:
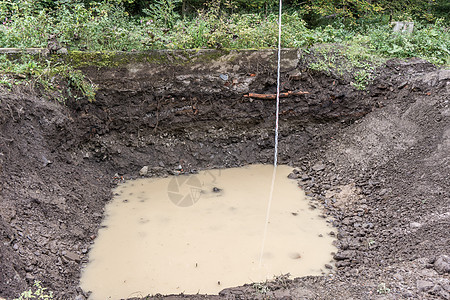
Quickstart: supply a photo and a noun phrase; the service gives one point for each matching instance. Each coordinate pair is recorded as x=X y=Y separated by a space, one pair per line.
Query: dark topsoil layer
x=377 y=162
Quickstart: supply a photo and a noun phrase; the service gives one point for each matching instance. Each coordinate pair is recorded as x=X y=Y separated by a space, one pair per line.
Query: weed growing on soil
x=261 y=287
x=282 y=280
x=362 y=78
x=351 y=60
x=27 y=69
x=383 y=289
x=39 y=293
x=431 y=42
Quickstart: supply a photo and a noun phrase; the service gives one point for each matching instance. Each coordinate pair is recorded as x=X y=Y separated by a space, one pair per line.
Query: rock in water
x=293 y=176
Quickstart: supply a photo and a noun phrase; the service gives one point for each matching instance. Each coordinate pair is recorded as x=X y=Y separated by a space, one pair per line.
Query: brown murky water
x=203 y=233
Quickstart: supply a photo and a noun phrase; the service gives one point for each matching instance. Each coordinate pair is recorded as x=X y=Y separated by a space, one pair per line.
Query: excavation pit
x=201 y=233
x=375 y=162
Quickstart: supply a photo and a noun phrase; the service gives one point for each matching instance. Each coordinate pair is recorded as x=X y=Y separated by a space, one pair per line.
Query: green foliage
x=351 y=60
x=163 y=11
x=261 y=287
x=104 y=26
x=39 y=293
x=107 y=26
x=344 y=9
x=27 y=69
x=431 y=42
x=383 y=289
x=362 y=78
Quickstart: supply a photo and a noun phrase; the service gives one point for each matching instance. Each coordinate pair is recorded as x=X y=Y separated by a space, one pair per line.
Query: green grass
x=343 y=50
x=27 y=69
x=108 y=27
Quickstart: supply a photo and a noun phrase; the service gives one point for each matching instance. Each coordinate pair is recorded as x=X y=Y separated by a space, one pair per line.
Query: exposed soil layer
x=377 y=161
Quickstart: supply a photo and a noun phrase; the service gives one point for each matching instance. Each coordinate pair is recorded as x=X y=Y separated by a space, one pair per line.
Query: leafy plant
x=38 y=293
x=383 y=289
x=163 y=11
x=261 y=288
x=362 y=78
x=27 y=68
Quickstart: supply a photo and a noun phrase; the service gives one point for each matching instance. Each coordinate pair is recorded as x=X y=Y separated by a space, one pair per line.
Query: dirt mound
x=376 y=160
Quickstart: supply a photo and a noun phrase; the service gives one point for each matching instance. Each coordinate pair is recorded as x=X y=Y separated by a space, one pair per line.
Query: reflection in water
x=188 y=233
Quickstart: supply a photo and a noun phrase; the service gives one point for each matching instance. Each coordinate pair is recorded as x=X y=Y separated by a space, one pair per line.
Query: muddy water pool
x=202 y=233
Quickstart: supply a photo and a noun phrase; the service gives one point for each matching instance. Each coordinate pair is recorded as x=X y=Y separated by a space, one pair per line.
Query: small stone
x=62 y=51
x=295 y=76
x=435 y=290
x=407 y=27
x=29 y=268
x=342 y=264
x=216 y=190
x=328 y=266
x=72 y=256
x=78 y=232
x=442 y=264
x=305 y=177
x=45 y=161
x=407 y=294
x=143 y=171
x=292 y=176
x=398 y=277
x=428 y=273
x=224 y=77
x=444 y=75
x=343 y=255
x=29 y=277
x=382 y=192
x=402 y=85
x=423 y=285
x=415 y=225
x=318 y=167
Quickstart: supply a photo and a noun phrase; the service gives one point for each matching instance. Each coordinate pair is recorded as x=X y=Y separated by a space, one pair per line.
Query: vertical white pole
x=278 y=85
x=274 y=174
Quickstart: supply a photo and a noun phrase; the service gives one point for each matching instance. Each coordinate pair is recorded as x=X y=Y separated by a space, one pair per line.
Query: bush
x=431 y=42
x=106 y=25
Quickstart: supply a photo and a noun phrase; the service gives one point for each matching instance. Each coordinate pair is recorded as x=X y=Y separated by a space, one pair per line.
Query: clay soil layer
x=376 y=161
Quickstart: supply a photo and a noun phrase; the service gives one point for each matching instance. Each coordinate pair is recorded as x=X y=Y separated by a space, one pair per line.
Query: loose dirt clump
x=377 y=161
